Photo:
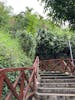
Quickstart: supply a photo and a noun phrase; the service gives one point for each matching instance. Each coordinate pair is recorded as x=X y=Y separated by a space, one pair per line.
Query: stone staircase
x=55 y=86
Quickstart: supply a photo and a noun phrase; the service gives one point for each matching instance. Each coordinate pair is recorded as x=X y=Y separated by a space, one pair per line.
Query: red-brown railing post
x=21 y=86
x=11 y=87
x=1 y=84
x=9 y=96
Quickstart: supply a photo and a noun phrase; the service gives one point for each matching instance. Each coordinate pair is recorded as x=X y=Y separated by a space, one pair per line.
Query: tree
x=25 y=21
x=63 y=10
x=52 y=45
x=27 y=42
x=4 y=14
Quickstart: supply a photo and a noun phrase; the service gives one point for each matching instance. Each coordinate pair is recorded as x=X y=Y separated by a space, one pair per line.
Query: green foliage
x=24 y=21
x=11 y=53
x=54 y=45
x=4 y=15
x=32 y=22
x=45 y=44
x=62 y=10
x=27 y=42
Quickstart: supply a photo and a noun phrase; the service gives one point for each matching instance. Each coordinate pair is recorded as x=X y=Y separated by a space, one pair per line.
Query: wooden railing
x=26 y=84
x=63 y=65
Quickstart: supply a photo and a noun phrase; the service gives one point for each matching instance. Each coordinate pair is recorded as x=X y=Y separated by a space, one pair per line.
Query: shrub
x=27 y=42
x=11 y=54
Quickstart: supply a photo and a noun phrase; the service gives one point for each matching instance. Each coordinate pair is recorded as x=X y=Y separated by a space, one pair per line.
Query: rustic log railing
x=26 y=86
x=63 y=65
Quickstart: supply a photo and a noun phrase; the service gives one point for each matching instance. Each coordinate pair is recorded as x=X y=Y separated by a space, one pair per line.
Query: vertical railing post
x=71 y=53
x=34 y=81
x=21 y=86
x=1 y=84
x=36 y=67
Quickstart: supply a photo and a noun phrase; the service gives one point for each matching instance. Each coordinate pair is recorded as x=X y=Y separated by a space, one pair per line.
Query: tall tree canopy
x=63 y=10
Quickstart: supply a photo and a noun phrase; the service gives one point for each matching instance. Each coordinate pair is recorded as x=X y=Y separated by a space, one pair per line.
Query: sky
x=20 y=5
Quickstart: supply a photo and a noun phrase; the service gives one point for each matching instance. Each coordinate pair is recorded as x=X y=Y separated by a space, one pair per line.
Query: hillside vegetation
x=26 y=35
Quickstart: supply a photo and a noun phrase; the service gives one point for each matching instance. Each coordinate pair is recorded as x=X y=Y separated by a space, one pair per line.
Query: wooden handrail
x=4 y=70
x=21 y=80
x=64 y=65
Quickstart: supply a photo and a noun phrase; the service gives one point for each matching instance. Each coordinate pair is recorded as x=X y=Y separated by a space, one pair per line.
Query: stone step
x=57 y=77
x=54 y=85
x=56 y=94
x=49 y=72
x=54 y=75
x=56 y=80
x=56 y=90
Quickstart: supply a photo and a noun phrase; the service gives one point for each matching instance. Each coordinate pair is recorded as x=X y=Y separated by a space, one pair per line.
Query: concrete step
x=54 y=85
x=57 y=77
x=53 y=74
x=56 y=90
x=50 y=72
x=56 y=80
x=54 y=96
